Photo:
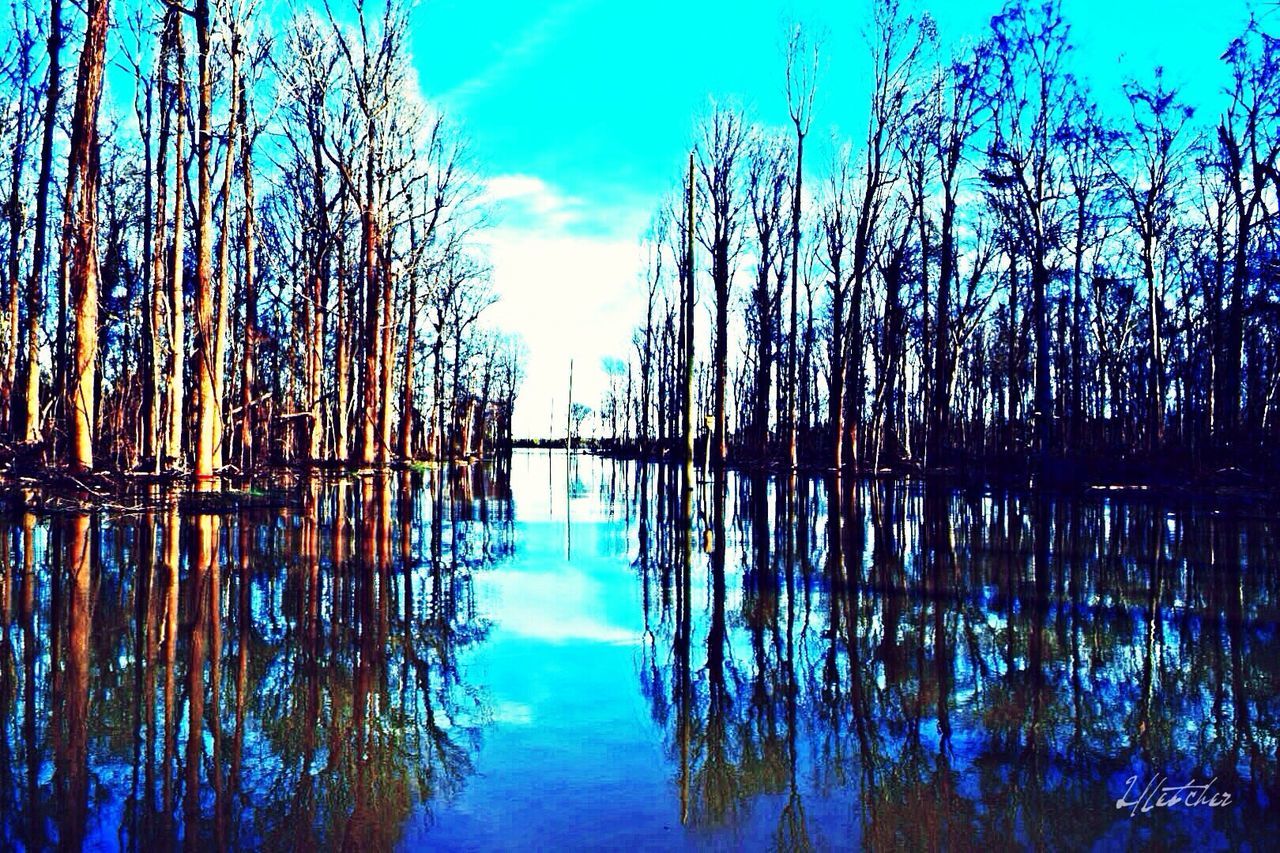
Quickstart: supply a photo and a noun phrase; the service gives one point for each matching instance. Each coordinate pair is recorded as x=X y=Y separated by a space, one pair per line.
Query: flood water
x=541 y=658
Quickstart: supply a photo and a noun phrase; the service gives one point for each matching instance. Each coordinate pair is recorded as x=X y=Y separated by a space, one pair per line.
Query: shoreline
x=62 y=490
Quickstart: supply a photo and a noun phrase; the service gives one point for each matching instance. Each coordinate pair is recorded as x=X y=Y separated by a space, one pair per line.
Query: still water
x=541 y=658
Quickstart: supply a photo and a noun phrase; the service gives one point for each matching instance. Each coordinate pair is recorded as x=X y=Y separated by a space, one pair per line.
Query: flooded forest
x=928 y=502
x=567 y=650
x=250 y=241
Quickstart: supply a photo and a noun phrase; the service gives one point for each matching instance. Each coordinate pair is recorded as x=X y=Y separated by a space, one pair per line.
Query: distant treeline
x=257 y=248
x=1000 y=270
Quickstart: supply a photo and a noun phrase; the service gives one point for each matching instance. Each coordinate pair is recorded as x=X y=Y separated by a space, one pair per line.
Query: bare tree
x=953 y=120
x=835 y=217
x=1030 y=91
x=768 y=185
x=1149 y=174
x=802 y=81
x=1085 y=145
x=81 y=246
x=1247 y=156
x=35 y=274
x=20 y=78
x=374 y=72
x=720 y=152
x=175 y=47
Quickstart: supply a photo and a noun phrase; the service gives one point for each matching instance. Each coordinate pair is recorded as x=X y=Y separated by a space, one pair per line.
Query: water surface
x=572 y=653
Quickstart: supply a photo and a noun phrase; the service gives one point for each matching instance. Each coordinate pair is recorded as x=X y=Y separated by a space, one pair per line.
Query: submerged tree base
x=1168 y=474
x=29 y=485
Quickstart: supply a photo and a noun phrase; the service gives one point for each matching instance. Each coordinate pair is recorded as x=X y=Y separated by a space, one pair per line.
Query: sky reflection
x=540 y=657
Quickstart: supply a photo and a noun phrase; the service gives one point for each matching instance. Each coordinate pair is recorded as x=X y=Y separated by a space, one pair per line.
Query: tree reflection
x=70 y=705
x=829 y=662
x=284 y=679
x=958 y=668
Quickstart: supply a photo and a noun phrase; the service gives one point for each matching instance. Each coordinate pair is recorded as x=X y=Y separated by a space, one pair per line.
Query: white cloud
x=526 y=201
x=566 y=270
x=504 y=187
x=512 y=713
x=555 y=605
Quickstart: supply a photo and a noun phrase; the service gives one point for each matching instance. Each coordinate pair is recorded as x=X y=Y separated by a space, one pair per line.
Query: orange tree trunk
x=83 y=251
x=207 y=392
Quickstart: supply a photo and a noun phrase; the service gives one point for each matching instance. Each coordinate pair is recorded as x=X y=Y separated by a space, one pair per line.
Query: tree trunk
x=792 y=366
x=386 y=358
x=248 y=367
x=1230 y=376
x=368 y=418
x=224 y=243
x=313 y=336
x=82 y=179
x=17 y=165
x=855 y=393
x=406 y=394
x=1043 y=393
x=646 y=375
x=720 y=357
x=341 y=443
x=764 y=357
x=207 y=391
x=437 y=391
x=35 y=276
x=940 y=397
x=482 y=411
x=1014 y=352
x=835 y=385
x=320 y=294
x=151 y=253
x=454 y=394
x=1155 y=374
x=1075 y=414
x=687 y=298
x=177 y=299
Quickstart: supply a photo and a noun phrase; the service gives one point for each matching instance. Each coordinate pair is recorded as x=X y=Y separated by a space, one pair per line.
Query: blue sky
x=581 y=113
